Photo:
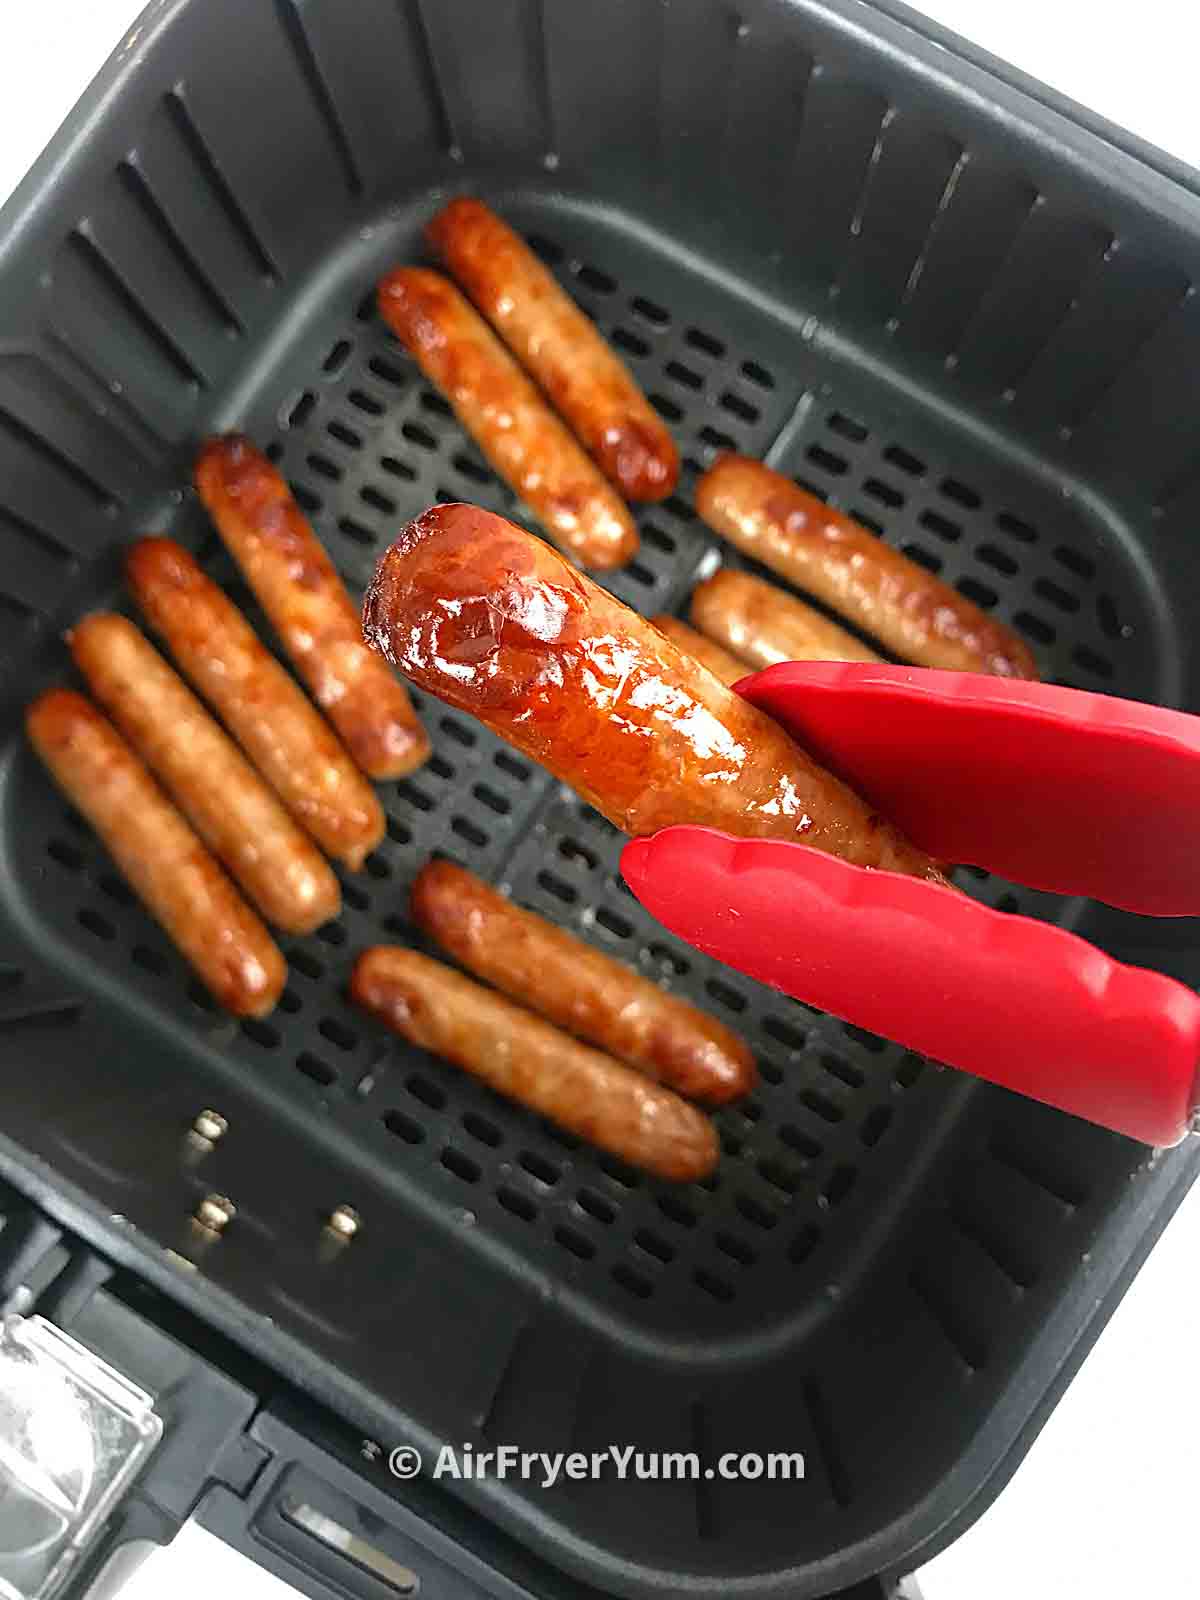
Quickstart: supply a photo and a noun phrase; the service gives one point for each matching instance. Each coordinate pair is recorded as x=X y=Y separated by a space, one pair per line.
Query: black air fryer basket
x=822 y=233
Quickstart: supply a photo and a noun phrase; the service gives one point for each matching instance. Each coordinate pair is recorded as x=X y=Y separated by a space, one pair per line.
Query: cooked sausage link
x=299 y=589
x=168 y=868
x=283 y=734
x=205 y=773
x=579 y=988
x=495 y=622
x=718 y=661
x=764 y=625
x=590 y=387
x=507 y=417
x=524 y=1058
x=914 y=614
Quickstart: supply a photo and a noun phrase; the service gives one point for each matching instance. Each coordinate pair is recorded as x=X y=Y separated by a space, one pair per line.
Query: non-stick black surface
x=892 y=1264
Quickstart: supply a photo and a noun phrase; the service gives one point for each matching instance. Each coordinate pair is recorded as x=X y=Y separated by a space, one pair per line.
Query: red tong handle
x=1018 y=1002
x=1070 y=792
x=1066 y=791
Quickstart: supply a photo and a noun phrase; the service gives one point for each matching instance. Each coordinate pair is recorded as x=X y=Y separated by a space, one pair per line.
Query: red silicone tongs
x=1065 y=791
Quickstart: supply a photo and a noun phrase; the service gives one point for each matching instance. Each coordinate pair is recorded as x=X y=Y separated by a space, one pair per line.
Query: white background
x=1106 y=1503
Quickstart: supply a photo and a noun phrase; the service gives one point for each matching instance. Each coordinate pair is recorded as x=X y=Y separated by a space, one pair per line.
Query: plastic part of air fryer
x=822 y=233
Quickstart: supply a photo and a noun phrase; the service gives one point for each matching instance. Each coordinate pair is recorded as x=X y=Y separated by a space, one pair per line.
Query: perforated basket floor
x=888 y=1255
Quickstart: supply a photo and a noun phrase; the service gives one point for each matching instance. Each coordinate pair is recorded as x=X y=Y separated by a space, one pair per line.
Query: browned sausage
x=524 y=1058
x=206 y=775
x=171 y=872
x=507 y=417
x=881 y=591
x=589 y=386
x=764 y=625
x=297 y=586
x=579 y=988
x=493 y=621
x=286 y=738
x=718 y=661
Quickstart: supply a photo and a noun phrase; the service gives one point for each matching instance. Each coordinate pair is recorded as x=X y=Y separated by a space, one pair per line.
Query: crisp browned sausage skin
x=493 y=621
x=590 y=387
x=579 y=988
x=525 y=1059
x=764 y=625
x=283 y=734
x=169 y=869
x=507 y=417
x=718 y=661
x=299 y=589
x=881 y=591
x=207 y=776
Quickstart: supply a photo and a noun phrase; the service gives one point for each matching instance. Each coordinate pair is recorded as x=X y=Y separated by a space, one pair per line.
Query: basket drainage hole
x=803 y=1245
x=875 y=1125
x=302 y=408
x=460 y=1165
x=541 y=1169
x=704 y=342
x=905 y=460
x=677 y=1210
x=313 y=1067
x=577 y=1243
x=841 y=1182
x=65 y=854
x=467 y=830
x=655 y=314
x=848 y=427
x=736 y=1249
x=596 y=1206
x=757 y=374
x=961 y=494
x=483 y=1129
x=261 y=1032
x=612 y=923
x=555 y=886
x=684 y=375
x=429 y=1094
x=337 y=1033
x=307 y=965
x=631 y=343
x=826 y=460
x=737 y=407
x=713 y=1285
x=149 y=960
x=654 y=1245
x=519 y=1204
x=632 y=1281
x=95 y=923
x=754 y=1211
x=337 y=358
x=403 y=1127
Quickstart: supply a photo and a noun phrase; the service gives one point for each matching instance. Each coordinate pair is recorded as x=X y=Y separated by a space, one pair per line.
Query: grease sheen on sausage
x=718 y=661
x=167 y=866
x=493 y=621
x=506 y=416
x=763 y=625
x=881 y=591
x=213 y=784
x=589 y=385
x=525 y=1059
x=265 y=710
x=299 y=589
x=579 y=988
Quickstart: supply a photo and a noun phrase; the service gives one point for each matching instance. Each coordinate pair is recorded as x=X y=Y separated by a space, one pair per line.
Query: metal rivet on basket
x=215 y=1213
x=210 y=1125
x=344 y=1221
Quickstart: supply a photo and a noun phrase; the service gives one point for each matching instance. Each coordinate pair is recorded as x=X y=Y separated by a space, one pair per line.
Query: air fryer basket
x=817 y=237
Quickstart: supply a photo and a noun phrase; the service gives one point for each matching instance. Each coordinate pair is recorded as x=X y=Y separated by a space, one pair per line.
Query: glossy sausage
x=507 y=417
x=168 y=868
x=764 y=625
x=207 y=776
x=588 y=385
x=578 y=988
x=299 y=589
x=881 y=591
x=718 y=661
x=495 y=622
x=285 y=737
x=527 y=1060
